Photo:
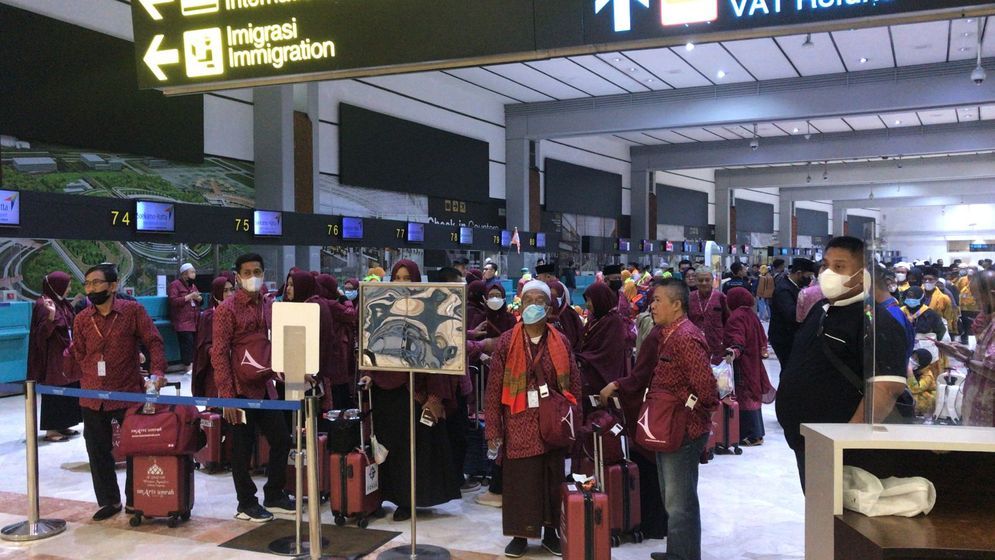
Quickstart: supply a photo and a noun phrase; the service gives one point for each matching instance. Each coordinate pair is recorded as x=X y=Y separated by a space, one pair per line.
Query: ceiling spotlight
x=808 y=130
x=863 y=60
x=897 y=122
x=689 y=46
x=720 y=74
x=808 y=44
x=794 y=130
x=633 y=69
x=616 y=59
x=978 y=75
x=755 y=142
x=964 y=49
x=648 y=80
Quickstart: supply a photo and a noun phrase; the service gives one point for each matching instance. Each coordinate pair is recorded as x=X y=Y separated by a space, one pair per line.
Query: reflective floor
x=751 y=507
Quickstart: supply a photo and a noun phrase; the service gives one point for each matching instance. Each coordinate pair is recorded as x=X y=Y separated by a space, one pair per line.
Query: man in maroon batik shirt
x=107 y=335
x=241 y=332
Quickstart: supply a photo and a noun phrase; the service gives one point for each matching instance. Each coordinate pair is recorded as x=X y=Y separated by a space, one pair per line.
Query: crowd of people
x=637 y=332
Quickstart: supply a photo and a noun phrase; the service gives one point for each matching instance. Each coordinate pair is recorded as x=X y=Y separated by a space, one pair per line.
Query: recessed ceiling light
x=966 y=34
x=720 y=74
x=863 y=60
x=689 y=46
x=794 y=130
x=633 y=69
x=970 y=21
x=964 y=49
x=616 y=59
x=898 y=122
x=649 y=80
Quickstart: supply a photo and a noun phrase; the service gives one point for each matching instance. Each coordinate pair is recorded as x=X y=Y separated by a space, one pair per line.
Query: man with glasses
x=241 y=360
x=107 y=335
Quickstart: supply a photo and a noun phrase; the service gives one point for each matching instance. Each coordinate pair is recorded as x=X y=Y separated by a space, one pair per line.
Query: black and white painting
x=413 y=327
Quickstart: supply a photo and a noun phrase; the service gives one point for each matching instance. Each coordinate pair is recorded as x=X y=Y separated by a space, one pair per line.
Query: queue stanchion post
x=33 y=528
x=313 y=489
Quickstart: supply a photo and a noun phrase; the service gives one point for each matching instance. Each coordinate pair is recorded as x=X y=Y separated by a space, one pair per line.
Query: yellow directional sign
x=150 y=7
x=155 y=58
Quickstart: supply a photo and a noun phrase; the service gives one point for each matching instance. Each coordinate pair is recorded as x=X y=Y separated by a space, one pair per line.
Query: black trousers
x=98 y=435
x=273 y=426
x=186 y=341
x=458 y=424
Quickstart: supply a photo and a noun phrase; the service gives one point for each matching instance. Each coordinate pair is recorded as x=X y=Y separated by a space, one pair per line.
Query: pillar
x=724 y=234
x=307 y=101
x=273 y=147
x=516 y=191
x=643 y=227
x=839 y=220
x=785 y=221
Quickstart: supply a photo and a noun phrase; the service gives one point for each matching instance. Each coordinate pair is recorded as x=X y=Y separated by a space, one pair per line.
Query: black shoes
x=402 y=514
x=516 y=548
x=551 y=542
x=255 y=513
x=107 y=512
x=283 y=504
x=658 y=555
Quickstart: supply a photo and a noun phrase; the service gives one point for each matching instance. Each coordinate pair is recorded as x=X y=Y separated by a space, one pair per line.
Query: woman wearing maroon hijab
x=746 y=341
x=476 y=308
x=604 y=354
x=497 y=318
x=51 y=319
x=202 y=380
x=437 y=481
x=340 y=366
x=563 y=317
x=302 y=287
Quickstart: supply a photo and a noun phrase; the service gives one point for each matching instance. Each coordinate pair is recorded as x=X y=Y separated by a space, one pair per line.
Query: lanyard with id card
x=533 y=395
x=101 y=364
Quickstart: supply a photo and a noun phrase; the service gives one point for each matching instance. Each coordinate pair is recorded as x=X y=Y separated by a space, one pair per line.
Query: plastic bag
x=724 y=378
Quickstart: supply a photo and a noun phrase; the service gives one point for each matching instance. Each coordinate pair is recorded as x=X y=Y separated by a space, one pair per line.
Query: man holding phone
x=241 y=360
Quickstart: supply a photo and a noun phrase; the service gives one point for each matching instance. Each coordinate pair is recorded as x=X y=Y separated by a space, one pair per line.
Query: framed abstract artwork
x=405 y=326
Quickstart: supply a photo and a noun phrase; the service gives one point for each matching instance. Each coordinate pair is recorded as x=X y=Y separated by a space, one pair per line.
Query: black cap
x=546 y=269
x=610 y=269
x=803 y=265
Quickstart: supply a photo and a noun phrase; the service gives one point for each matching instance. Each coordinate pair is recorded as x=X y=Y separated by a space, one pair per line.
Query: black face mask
x=615 y=285
x=98 y=298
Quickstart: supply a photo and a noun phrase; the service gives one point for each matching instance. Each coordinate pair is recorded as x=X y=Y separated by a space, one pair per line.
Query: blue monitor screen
x=267 y=223
x=416 y=232
x=505 y=238
x=154 y=216
x=647 y=246
x=10 y=208
x=352 y=228
x=540 y=240
x=623 y=245
x=466 y=236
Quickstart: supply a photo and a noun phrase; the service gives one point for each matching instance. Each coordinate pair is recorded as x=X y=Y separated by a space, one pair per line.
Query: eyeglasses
x=94 y=283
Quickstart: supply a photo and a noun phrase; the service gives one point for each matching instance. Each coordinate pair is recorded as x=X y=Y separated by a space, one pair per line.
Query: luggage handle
x=369 y=414
x=599 y=458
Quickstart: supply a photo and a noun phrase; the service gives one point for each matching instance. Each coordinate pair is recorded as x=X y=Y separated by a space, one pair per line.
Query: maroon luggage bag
x=725 y=427
x=585 y=517
x=323 y=476
x=215 y=456
x=163 y=487
x=355 y=481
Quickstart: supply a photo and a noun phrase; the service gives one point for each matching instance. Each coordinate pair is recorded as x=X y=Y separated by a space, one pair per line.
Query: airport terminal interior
x=679 y=279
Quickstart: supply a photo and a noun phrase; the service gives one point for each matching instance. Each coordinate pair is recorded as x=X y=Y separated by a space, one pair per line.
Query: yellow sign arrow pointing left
x=150 y=7
x=155 y=58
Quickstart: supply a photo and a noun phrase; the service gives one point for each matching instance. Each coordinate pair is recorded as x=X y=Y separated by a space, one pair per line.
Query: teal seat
x=158 y=310
x=15 y=328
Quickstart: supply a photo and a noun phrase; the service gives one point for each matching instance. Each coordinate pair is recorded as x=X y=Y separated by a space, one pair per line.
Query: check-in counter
x=15 y=326
x=158 y=310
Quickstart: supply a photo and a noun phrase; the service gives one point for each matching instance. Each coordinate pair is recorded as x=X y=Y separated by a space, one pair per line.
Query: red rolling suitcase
x=215 y=455
x=163 y=487
x=621 y=483
x=120 y=459
x=324 y=481
x=584 y=523
x=354 y=482
x=725 y=427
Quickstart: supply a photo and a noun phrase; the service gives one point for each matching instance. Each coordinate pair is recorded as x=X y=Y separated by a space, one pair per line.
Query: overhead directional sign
x=198 y=45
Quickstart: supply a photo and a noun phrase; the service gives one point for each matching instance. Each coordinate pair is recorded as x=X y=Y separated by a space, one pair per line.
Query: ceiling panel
x=768 y=130
x=699 y=134
x=900 y=120
x=938 y=116
x=967 y=114
x=499 y=84
x=536 y=80
x=963 y=38
x=921 y=43
x=830 y=125
x=637 y=138
x=576 y=76
x=665 y=65
x=871 y=45
x=988 y=112
x=989 y=47
x=725 y=132
x=669 y=136
x=762 y=58
x=865 y=122
x=623 y=79
x=820 y=58
x=715 y=62
x=794 y=127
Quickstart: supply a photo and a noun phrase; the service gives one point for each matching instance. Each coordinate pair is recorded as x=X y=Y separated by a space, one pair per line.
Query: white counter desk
x=825 y=445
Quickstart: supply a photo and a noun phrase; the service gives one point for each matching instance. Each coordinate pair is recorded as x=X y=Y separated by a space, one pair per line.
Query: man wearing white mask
x=825 y=380
x=902 y=276
x=241 y=360
x=531 y=362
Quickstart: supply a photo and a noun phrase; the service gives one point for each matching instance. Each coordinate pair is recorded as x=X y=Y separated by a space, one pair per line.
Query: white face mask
x=900 y=276
x=929 y=286
x=832 y=283
x=495 y=303
x=251 y=284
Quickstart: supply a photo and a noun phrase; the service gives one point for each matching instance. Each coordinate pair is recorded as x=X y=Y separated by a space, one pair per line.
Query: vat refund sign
x=184 y=46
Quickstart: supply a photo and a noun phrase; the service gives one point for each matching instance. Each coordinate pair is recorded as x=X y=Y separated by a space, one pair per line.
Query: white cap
x=185 y=267
x=903 y=264
x=537 y=285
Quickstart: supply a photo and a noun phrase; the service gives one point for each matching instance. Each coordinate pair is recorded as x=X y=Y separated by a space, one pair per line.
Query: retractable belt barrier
x=251 y=404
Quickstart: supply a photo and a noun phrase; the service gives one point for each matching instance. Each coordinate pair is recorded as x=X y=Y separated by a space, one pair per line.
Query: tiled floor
x=752 y=508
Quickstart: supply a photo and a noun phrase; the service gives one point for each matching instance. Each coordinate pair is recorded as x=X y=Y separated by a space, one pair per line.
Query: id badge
x=101 y=369
x=543 y=390
x=533 y=399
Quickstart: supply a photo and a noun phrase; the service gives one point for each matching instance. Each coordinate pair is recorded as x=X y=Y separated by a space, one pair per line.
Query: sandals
x=69 y=433
x=747 y=442
x=55 y=438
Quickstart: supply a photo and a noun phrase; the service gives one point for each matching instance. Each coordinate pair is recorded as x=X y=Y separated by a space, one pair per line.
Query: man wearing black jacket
x=783 y=325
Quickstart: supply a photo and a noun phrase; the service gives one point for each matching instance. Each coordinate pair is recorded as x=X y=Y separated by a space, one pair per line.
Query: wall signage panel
x=200 y=44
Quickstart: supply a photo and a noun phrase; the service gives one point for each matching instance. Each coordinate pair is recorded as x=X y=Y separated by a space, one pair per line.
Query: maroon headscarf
x=410 y=266
x=230 y=276
x=474 y=274
x=502 y=320
x=218 y=290
x=54 y=286
x=744 y=332
x=304 y=285
x=476 y=308
x=328 y=286
x=564 y=317
x=603 y=350
x=557 y=289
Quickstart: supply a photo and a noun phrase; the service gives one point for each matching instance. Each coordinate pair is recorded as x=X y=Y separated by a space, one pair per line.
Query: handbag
x=171 y=430
x=251 y=359
x=557 y=416
x=663 y=420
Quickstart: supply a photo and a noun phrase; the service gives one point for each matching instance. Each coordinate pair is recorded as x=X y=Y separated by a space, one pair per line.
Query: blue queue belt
x=249 y=404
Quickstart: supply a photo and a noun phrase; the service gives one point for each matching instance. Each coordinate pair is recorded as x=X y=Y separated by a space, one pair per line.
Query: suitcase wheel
x=616 y=541
x=135 y=521
x=173 y=521
x=363 y=522
x=380 y=513
x=738 y=450
x=185 y=516
x=340 y=520
x=637 y=537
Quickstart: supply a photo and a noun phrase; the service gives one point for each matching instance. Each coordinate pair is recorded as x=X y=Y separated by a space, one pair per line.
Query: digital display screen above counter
x=669 y=246
x=505 y=238
x=466 y=236
x=541 y=240
x=267 y=223
x=155 y=217
x=416 y=232
x=352 y=229
x=647 y=246
x=10 y=208
x=623 y=245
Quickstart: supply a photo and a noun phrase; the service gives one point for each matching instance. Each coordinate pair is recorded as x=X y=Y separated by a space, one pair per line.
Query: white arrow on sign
x=150 y=7
x=155 y=58
x=621 y=15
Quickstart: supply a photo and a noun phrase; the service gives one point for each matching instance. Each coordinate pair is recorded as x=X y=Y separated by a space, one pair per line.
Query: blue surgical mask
x=533 y=314
x=913 y=303
x=350 y=294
